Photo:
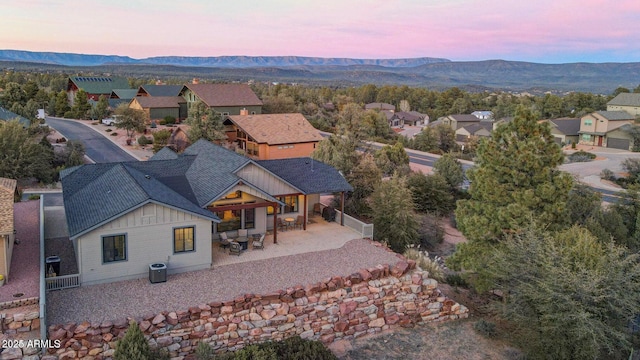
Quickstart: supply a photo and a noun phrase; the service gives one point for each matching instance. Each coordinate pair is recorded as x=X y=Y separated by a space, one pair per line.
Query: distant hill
x=436 y=74
x=68 y=59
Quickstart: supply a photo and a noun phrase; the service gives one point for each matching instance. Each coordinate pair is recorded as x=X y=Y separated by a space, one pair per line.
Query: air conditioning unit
x=157 y=273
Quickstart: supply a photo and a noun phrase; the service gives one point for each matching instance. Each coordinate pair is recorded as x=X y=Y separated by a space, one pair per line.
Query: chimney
x=195 y=81
x=244 y=112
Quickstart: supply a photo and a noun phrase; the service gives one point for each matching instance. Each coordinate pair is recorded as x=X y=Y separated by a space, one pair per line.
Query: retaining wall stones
x=365 y=302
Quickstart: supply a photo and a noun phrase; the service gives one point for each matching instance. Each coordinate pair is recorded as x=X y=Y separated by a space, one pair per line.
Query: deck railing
x=366 y=230
x=63 y=282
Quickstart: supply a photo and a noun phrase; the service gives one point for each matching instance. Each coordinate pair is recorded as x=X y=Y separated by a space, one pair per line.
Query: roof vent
x=147 y=177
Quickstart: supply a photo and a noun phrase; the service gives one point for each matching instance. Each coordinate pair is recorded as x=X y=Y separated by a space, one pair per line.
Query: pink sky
x=546 y=31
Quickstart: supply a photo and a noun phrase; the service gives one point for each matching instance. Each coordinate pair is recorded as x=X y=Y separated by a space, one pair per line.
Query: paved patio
x=320 y=235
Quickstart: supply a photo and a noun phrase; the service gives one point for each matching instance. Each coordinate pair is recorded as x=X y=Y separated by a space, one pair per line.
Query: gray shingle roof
x=616 y=115
x=164 y=154
x=567 y=126
x=625 y=99
x=97 y=193
x=308 y=175
x=161 y=90
x=126 y=94
x=224 y=94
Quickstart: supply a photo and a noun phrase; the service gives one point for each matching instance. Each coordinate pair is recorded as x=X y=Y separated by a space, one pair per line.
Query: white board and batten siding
x=149 y=239
x=266 y=181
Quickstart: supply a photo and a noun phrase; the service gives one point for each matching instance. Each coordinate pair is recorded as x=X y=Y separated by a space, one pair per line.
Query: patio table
x=243 y=242
x=289 y=222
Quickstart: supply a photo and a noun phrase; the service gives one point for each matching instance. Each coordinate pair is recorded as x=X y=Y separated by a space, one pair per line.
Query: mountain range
x=433 y=73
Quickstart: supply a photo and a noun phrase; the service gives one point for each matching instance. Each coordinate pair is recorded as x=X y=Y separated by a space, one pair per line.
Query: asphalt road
x=97 y=147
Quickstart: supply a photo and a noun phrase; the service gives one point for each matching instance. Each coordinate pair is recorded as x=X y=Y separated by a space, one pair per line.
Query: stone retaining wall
x=12 y=324
x=365 y=302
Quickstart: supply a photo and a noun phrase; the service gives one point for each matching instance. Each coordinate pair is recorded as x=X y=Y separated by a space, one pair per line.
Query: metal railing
x=63 y=282
x=366 y=230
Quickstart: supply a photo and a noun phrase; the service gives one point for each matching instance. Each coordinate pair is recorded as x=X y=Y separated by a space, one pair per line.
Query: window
x=249 y=218
x=114 y=248
x=588 y=122
x=586 y=137
x=230 y=220
x=183 y=239
x=290 y=205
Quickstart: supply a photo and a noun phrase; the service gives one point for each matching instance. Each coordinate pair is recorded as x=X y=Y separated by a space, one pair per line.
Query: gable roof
x=625 y=99
x=274 y=129
x=98 y=84
x=616 y=115
x=567 y=126
x=475 y=127
x=95 y=194
x=379 y=106
x=160 y=90
x=464 y=118
x=308 y=175
x=159 y=101
x=7 y=115
x=7 y=190
x=224 y=94
x=126 y=94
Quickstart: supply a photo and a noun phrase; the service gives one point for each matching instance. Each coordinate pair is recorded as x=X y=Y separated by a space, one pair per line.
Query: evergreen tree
x=204 y=124
x=133 y=346
x=132 y=120
x=451 y=169
x=515 y=180
x=81 y=106
x=394 y=220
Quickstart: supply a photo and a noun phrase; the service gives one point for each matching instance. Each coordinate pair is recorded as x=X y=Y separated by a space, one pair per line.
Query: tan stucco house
x=273 y=136
x=7 y=227
x=122 y=217
x=595 y=128
x=628 y=102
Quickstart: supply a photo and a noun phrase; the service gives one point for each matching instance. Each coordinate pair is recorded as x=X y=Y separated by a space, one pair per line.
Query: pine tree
x=133 y=346
x=394 y=219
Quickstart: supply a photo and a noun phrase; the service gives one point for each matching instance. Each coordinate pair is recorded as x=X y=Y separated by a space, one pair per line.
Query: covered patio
x=320 y=235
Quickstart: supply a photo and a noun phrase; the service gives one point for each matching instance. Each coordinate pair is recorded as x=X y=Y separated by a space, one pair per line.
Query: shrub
x=34 y=197
x=162 y=122
x=168 y=120
x=95 y=123
x=581 y=156
x=108 y=130
x=485 y=328
x=133 y=346
x=456 y=279
x=142 y=140
x=114 y=134
x=425 y=262
x=607 y=174
x=204 y=351
x=289 y=349
x=573 y=145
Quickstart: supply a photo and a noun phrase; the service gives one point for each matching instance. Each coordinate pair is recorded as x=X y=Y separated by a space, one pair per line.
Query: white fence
x=63 y=282
x=366 y=230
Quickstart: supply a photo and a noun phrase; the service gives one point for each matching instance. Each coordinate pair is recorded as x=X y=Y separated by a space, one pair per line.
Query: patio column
x=342 y=208
x=306 y=212
x=276 y=209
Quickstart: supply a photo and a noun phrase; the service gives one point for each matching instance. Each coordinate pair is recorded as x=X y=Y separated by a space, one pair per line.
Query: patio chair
x=299 y=222
x=281 y=225
x=224 y=241
x=258 y=244
x=317 y=209
x=235 y=248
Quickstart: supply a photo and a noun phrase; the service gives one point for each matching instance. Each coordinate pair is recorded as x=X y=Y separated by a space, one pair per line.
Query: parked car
x=110 y=120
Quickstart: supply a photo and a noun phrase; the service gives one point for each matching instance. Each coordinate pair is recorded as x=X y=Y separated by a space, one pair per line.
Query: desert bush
x=168 y=120
x=142 y=140
x=34 y=197
x=581 y=156
x=485 y=328
x=423 y=260
x=457 y=280
x=607 y=174
x=114 y=134
x=293 y=348
x=109 y=130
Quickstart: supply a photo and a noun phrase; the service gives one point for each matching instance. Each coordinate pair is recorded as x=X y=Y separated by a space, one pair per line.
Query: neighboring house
x=124 y=216
x=479 y=129
x=620 y=138
x=159 y=90
x=273 y=136
x=7 y=229
x=380 y=106
x=565 y=130
x=225 y=99
x=628 y=102
x=159 y=107
x=596 y=127
x=6 y=115
x=94 y=86
x=123 y=94
x=483 y=115
x=412 y=118
x=458 y=121
x=392 y=119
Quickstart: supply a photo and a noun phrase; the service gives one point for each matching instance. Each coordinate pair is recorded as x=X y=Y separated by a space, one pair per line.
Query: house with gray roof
x=159 y=90
x=124 y=216
x=596 y=128
x=565 y=130
x=225 y=99
x=457 y=121
x=628 y=102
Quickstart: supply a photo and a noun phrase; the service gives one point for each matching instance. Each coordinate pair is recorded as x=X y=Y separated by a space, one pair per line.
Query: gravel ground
x=138 y=298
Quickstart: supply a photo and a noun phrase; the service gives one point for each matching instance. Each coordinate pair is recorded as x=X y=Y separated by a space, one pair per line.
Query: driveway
x=98 y=147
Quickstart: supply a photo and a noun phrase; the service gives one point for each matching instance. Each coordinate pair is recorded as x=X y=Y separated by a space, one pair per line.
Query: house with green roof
x=124 y=216
x=94 y=86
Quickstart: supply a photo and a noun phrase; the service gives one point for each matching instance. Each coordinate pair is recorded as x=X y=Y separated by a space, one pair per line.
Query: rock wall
x=20 y=322
x=365 y=302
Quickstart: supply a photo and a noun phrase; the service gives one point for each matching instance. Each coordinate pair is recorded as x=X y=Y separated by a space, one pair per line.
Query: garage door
x=618 y=143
